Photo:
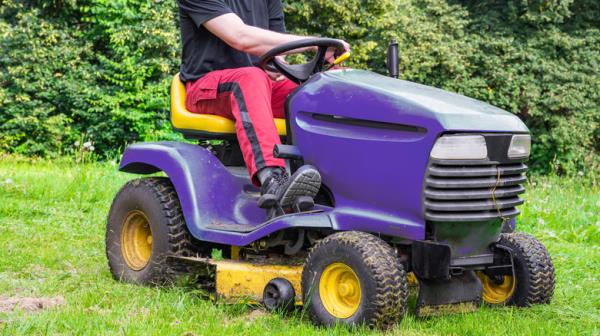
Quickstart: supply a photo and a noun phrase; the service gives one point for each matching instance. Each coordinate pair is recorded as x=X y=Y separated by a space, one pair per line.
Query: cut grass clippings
x=52 y=219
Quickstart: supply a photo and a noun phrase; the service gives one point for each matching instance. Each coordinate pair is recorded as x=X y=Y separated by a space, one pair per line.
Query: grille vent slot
x=463 y=192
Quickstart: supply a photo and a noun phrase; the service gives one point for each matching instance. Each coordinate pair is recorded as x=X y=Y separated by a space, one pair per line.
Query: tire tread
x=540 y=270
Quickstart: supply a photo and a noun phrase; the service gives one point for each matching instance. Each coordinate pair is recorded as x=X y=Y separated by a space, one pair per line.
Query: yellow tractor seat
x=203 y=126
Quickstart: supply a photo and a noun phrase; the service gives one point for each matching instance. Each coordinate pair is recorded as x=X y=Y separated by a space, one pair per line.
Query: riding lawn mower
x=417 y=183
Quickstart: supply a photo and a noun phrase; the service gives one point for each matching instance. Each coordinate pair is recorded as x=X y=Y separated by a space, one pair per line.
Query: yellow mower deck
x=242 y=281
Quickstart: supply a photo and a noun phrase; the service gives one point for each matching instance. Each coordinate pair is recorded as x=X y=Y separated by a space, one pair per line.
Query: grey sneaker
x=306 y=181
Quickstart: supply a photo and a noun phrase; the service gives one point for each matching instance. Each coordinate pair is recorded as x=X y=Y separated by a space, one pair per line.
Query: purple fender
x=218 y=206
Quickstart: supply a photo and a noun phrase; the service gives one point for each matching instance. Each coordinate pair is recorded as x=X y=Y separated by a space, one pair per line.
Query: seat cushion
x=186 y=121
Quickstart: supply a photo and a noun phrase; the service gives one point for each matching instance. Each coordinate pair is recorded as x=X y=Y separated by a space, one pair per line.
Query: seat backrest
x=203 y=126
x=195 y=124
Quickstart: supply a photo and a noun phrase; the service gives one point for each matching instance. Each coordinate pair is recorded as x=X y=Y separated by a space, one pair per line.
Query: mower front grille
x=473 y=191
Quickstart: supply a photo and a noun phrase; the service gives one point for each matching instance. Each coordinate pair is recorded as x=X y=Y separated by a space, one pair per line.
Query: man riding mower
x=389 y=177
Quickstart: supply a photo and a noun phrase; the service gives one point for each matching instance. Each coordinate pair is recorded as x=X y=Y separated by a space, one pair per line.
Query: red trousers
x=250 y=98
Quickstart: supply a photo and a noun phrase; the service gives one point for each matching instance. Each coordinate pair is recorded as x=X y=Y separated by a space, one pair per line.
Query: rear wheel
x=145 y=227
x=533 y=280
x=354 y=278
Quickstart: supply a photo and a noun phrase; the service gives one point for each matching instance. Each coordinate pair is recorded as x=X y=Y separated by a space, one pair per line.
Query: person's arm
x=249 y=39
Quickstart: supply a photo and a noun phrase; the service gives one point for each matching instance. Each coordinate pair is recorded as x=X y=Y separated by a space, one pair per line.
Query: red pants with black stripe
x=250 y=98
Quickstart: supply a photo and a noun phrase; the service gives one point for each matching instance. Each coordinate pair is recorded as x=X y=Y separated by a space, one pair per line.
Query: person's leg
x=245 y=95
x=281 y=90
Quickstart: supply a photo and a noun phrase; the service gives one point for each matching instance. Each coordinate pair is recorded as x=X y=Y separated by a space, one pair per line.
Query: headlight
x=460 y=147
x=520 y=146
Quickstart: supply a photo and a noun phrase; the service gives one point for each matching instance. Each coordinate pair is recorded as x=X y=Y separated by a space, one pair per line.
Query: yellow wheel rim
x=495 y=292
x=339 y=289
x=136 y=240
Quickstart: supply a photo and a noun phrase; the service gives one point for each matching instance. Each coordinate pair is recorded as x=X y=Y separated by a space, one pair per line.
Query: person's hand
x=276 y=76
x=333 y=53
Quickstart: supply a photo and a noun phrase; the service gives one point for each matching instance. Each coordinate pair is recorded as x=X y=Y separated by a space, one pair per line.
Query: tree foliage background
x=99 y=70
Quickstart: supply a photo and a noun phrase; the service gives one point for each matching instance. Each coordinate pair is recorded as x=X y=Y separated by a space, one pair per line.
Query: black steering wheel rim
x=300 y=73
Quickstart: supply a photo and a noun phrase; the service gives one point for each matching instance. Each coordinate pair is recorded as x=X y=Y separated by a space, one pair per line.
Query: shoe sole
x=305 y=182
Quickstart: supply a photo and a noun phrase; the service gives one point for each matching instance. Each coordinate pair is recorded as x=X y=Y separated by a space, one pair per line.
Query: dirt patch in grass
x=256 y=314
x=29 y=304
x=248 y=317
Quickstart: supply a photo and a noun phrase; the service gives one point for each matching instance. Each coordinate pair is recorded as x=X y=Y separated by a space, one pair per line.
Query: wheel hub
x=340 y=291
x=136 y=240
x=497 y=289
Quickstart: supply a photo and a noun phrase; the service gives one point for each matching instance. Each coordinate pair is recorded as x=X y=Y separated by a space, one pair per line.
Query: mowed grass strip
x=52 y=222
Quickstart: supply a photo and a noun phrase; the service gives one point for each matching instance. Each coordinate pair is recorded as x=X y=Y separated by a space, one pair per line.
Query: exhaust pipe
x=393 y=65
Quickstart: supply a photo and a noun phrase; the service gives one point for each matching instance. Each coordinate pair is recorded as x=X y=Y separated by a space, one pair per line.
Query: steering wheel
x=300 y=73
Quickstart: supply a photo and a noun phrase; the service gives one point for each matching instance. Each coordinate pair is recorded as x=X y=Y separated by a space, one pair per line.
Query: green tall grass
x=52 y=218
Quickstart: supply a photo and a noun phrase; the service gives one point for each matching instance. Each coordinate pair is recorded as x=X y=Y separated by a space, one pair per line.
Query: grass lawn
x=52 y=219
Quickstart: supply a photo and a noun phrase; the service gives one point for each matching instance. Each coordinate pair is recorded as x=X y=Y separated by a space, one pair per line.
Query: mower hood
x=452 y=111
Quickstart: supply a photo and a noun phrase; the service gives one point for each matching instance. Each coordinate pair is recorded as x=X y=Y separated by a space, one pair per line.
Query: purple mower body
x=414 y=179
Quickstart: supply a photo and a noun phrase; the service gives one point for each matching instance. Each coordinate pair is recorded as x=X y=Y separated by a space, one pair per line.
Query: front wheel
x=533 y=281
x=354 y=278
x=145 y=227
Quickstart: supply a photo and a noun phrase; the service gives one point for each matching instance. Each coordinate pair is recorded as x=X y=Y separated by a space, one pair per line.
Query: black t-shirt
x=204 y=52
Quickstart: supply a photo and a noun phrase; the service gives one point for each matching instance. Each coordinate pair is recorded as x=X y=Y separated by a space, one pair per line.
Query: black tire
x=383 y=283
x=155 y=199
x=279 y=295
x=533 y=269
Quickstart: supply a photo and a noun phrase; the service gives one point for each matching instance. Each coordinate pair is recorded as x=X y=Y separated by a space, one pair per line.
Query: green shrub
x=93 y=71
x=540 y=60
x=43 y=66
x=98 y=70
